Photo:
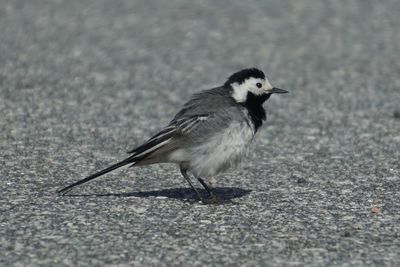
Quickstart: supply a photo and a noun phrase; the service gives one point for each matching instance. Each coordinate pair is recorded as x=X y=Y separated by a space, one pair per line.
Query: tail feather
x=95 y=175
x=139 y=154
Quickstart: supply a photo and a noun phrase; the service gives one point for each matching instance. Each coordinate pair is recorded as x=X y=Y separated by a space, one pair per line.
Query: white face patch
x=250 y=85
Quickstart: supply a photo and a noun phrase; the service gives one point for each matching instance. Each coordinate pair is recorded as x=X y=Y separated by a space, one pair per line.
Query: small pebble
x=298 y=177
x=138 y=210
x=396 y=114
x=375 y=210
x=301 y=180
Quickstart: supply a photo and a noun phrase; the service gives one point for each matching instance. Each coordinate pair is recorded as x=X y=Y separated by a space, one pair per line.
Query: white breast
x=222 y=151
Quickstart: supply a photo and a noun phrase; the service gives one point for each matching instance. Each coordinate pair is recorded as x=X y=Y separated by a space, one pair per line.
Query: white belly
x=221 y=152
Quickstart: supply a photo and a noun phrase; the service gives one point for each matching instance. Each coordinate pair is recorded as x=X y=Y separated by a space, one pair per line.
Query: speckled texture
x=81 y=82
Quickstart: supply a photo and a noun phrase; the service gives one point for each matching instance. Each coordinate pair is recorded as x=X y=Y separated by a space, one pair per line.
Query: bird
x=210 y=134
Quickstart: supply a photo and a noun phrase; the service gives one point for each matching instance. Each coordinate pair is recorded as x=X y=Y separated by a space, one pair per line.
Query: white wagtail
x=210 y=133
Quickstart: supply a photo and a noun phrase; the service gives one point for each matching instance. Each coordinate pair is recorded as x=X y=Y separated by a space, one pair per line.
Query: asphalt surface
x=82 y=82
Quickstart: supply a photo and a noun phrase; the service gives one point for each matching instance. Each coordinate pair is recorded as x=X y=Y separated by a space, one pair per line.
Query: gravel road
x=83 y=81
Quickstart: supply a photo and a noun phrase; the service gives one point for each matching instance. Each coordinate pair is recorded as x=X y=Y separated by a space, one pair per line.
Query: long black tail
x=95 y=175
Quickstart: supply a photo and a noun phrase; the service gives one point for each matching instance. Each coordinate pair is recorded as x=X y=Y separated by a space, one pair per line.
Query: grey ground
x=82 y=82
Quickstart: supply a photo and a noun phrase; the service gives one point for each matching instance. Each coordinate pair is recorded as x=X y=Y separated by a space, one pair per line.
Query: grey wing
x=206 y=102
x=203 y=116
x=180 y=133
x=203 y=127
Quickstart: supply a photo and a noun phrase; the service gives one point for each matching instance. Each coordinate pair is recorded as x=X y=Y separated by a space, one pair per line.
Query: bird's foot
x=213 y=200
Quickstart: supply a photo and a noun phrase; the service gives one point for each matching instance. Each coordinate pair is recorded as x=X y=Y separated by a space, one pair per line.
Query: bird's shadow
x=224 y=193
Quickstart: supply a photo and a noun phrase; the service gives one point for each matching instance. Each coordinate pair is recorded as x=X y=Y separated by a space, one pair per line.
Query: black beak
x=278 y=91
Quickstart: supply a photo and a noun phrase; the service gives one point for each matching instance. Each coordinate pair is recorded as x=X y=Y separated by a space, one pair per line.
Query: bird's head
x=251 y=83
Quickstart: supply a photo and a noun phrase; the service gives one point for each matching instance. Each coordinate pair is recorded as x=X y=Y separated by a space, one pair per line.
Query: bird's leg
x=212 y=199
x=186 y=176
x=206 y=187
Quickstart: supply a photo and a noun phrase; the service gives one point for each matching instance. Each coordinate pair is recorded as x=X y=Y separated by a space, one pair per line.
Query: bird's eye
x=259 y=85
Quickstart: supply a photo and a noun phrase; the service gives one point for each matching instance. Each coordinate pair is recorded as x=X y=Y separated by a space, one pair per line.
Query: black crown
x=240 y=76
